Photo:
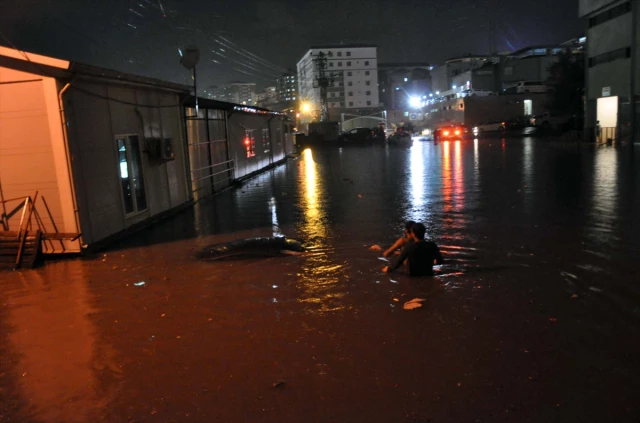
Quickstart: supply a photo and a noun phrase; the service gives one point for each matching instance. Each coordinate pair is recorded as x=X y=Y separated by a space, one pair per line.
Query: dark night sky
x=134 y=35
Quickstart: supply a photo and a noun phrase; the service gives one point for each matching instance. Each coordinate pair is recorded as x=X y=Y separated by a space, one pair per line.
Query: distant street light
x=414 y=102
x=305 y=107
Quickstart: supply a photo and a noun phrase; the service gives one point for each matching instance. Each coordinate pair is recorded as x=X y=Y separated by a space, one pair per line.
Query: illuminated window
x=249 y=143
x=131 y=177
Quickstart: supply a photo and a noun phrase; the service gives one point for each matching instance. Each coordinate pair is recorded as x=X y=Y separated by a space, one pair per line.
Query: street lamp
x=305 y=108
x=414 y=102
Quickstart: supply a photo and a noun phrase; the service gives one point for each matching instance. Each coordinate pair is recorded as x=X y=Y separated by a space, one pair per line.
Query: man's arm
x=394 y=247
x=400 y=259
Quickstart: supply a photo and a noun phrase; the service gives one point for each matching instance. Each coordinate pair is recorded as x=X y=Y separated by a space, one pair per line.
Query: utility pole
x=323 y=81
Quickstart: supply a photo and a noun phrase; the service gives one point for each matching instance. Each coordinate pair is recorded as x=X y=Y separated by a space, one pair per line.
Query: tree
x=567 y=83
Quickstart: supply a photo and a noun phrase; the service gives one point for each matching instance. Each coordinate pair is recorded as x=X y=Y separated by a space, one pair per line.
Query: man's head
x=407 y=227
x=418 y=230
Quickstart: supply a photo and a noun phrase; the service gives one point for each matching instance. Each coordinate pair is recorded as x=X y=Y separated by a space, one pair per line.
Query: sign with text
x=606 y=91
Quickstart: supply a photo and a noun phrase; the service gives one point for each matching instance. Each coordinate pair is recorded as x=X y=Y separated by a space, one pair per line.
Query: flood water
x=534 y=317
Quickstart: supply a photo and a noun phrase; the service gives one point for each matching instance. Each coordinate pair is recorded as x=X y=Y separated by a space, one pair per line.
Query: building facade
x=398 y=82
x=287 y=87
x=612 y=66
x=236 y=92
x=353 y=71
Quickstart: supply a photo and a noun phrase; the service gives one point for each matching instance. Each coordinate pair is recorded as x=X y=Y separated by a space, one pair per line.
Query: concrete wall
x=32 y=150
x=95 y=120
x=586 y=7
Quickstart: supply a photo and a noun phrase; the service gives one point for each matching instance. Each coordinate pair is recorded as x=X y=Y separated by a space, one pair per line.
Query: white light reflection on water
x=527 y=173
x=274 y=218
x=605 y=195
x=417 y=190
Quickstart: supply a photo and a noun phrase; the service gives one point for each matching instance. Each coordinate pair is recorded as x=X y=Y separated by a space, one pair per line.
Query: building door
x=608 y=112
x=528 y=107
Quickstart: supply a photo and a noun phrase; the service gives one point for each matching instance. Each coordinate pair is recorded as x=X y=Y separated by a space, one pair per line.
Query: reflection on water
x=527 y=173
x=319 y=274
x=604 y=210
x=446 y=177
x=417 y=189
x=275 y=227
x=56 y=345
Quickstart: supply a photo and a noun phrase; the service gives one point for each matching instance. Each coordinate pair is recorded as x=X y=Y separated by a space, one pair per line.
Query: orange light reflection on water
x=319 y=276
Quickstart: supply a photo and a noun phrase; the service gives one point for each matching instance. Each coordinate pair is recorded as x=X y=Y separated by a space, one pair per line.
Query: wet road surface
x=534 y=318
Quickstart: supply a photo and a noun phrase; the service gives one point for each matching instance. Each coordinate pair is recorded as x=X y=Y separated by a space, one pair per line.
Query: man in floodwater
x=422 y=254
x=405 y=240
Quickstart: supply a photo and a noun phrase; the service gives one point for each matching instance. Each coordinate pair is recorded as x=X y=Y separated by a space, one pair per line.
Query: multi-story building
x=399 y=82
x=236 y=92
x=267 y=98
x=612 y=66
x=353 y=69
x=442 y=76
x=287 y=87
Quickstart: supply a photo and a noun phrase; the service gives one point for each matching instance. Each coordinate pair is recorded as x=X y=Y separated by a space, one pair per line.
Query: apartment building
x=353 y=73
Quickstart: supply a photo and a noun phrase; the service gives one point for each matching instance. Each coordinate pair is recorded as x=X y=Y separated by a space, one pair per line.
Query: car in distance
x=488 y=127
x=355 y=135
x=450 y=132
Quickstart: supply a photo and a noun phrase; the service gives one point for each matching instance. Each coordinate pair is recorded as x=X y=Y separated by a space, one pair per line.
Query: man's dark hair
x=408 y=225
x=419 y=230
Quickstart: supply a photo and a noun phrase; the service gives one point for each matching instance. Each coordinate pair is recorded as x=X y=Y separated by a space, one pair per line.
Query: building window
x=366 y=63
x=348 y=53
x=350 y=83
x=367 y=83
x=406 y=80
x=366 y=73
x=610 y=14
x=134 y=195
x=368 y=103
x=339 y=64
x=349 y=73
x=348 y=63
x=249 y=143
x=384 y=90
x=339 y=54
x=330 y=64
x=368 y=93
x=350 y=93
x=621 y=53
x=351 y=104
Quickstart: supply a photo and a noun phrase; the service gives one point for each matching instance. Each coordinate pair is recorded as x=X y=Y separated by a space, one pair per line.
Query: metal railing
x=28 y=207
x=230 y=169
